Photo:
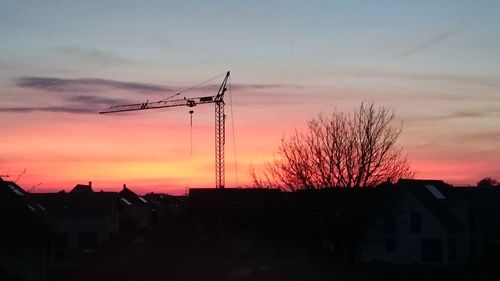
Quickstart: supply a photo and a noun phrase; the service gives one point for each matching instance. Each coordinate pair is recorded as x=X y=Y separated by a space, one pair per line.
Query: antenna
x=35 y=186
x=20 y=175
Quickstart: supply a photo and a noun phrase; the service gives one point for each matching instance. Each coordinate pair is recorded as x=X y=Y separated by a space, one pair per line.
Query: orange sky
x=150 y=150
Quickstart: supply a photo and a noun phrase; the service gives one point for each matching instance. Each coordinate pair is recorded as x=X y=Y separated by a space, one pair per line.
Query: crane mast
x=220 y=121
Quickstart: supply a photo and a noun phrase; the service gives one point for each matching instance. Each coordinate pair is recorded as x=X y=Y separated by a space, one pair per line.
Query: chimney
x=124 y=186
x=90 y=184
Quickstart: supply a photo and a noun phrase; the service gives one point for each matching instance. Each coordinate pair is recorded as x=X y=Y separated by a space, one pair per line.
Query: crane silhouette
x=220 y=123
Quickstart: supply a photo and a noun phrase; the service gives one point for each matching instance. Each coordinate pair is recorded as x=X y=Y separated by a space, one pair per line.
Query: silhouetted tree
x=487 y=182
x=340 y=150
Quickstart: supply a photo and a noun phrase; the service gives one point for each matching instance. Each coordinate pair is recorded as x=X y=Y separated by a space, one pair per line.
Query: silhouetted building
x=134 y=210
x=82 y=189
x=79 y=219
x=214 y=211
x=164 y=208
x=483 y=220
x=24 y=244
x=235 y=198
x=424 y=221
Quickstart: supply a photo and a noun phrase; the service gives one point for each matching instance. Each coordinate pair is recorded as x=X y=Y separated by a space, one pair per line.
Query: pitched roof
x=131 y=197
x=20 y=220
x=82 y=188
x=434 y=195
x=14 y=188
x=75 y=204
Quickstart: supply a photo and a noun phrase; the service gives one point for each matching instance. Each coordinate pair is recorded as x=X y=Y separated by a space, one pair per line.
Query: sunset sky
x=437 y=63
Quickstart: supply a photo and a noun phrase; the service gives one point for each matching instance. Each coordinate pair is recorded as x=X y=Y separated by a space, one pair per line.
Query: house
x=255 y=210
x=483 y=220
x=134 y=210
x=423 y=221
x=24 y=243
x=82 y=189
x=164 y=208
x=79 y=219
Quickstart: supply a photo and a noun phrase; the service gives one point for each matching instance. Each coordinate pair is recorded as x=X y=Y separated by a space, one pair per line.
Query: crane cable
x=191 y=123
x=191 y=111
x=20 y=175
x=233 y=133
x=195 y=86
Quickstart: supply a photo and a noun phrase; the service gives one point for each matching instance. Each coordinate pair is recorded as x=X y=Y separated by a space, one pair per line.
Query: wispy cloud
x=86 y=85
x=96 y=100
x=264 y=86
x=92 y=56
x=427 y=44
x=78 y=100
x=493 y=136
x=81 y=104
x=83 y=85
x=483 y=80
x=478 y=113
x=55 y=109
x=240 y=87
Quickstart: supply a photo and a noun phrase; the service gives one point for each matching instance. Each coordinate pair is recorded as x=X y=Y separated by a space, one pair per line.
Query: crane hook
x=191 y=124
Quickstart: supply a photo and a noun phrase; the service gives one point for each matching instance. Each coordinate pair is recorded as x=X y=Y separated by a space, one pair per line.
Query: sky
x=61 y=62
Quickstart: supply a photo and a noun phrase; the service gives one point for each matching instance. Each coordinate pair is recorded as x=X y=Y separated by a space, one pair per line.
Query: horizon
x=143 y=190
x=435 y=64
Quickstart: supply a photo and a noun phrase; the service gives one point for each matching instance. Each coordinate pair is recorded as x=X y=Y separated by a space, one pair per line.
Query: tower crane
x=220 y=124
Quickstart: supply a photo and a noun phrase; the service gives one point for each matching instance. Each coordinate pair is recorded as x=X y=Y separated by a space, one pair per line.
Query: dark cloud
x=86 y=85
x=81 y=104
x=79 y=101
x=238 y=87
x=56 y=109
x=96 y=100
x=479 y=113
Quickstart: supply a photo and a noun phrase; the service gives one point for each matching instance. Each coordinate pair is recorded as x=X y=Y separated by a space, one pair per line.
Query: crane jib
x=218 y=100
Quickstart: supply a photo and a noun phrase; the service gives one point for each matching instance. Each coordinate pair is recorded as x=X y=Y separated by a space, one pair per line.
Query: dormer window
x=126 y=201
x=432 y=189
x=15 y=190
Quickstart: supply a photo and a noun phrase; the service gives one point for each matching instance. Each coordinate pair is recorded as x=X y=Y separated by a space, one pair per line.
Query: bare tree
x=341 y=150
x=487 y=182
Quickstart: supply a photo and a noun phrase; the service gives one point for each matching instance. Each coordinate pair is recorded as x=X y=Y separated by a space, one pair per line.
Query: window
x=15 y=190
x=126 y=201
x=30 y=207
x=432 y=250
x=452 y=249
x=432 y=189
x=416 y=222
x=390 y=245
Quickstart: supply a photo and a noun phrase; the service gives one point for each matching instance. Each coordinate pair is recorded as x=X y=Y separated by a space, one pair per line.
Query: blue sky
x=298 y=36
